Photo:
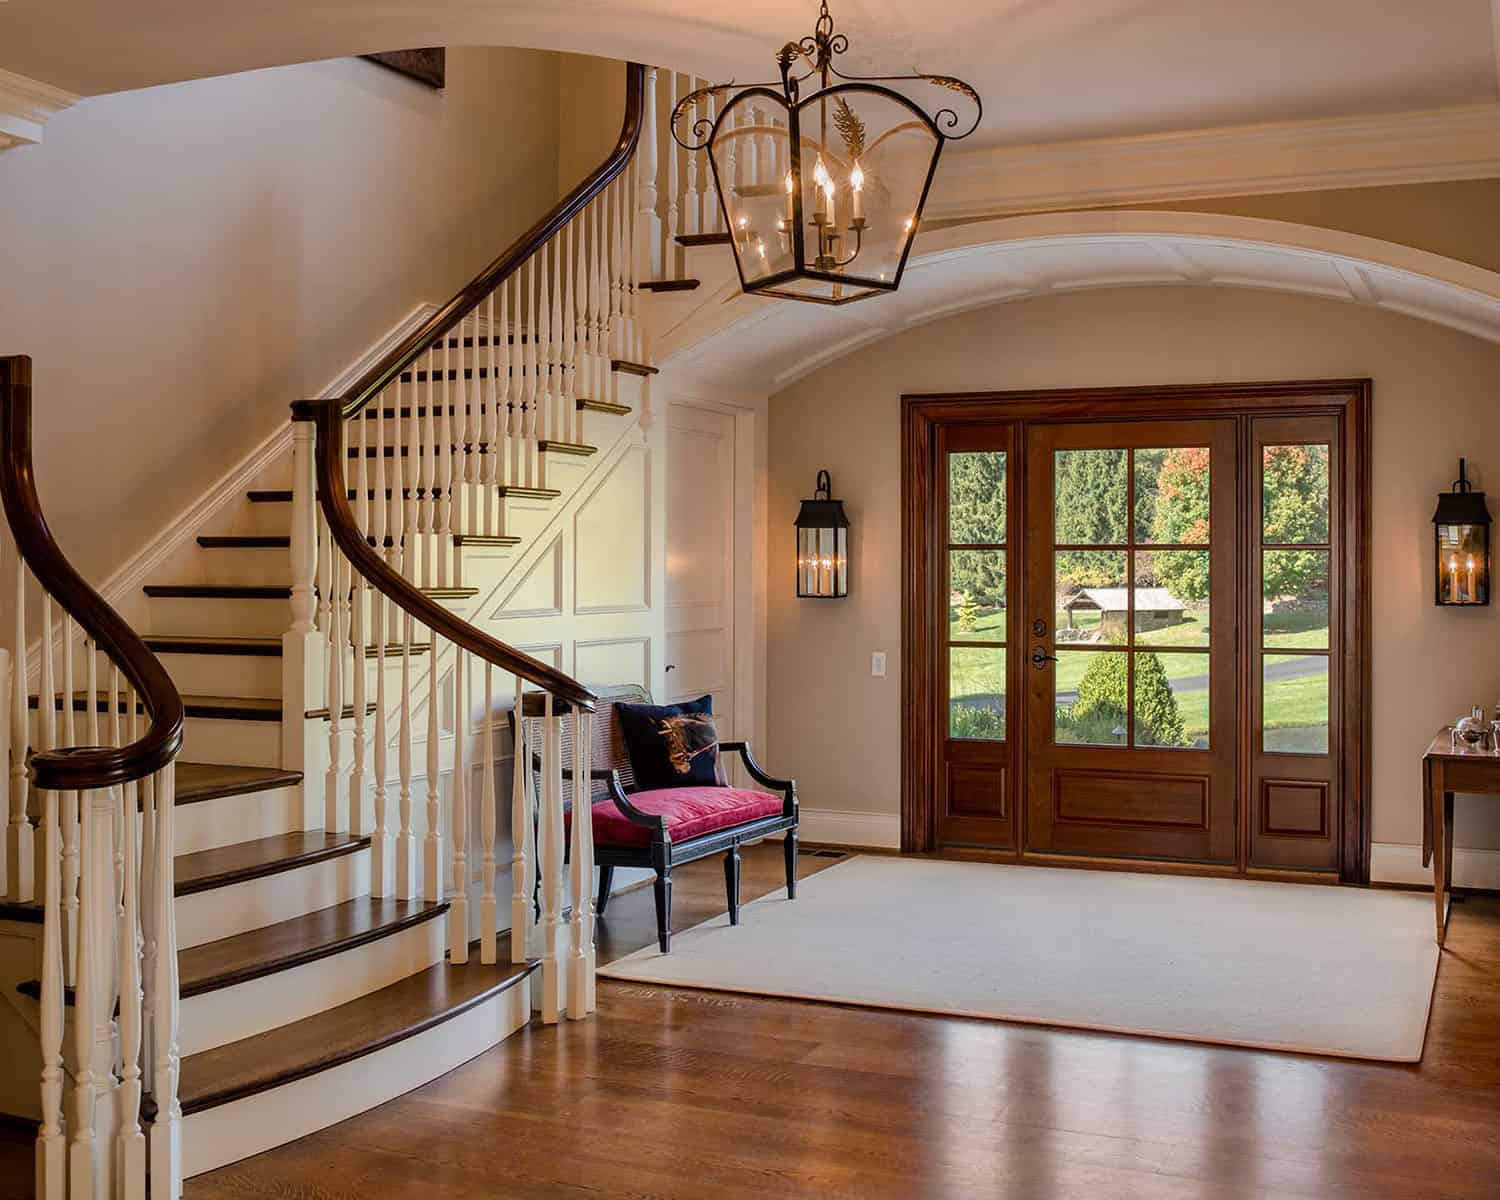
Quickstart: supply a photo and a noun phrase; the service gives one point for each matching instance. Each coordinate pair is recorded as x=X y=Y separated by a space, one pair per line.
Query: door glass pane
x=1294 y=704
x=1090 y=497
x=1171 y=700
x=1294 y=598
x=1171 y=496
x=1091 y=602
x=976 y=692
x=1171 y=597
x=1294 y=494
x=976 y=497
x=976 y=595
x=1091 y=695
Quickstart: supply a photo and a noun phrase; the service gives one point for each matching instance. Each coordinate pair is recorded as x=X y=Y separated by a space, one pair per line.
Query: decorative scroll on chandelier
x=822 y=194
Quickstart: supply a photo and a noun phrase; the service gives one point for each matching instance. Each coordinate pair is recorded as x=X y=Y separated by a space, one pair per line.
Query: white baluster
x=651 y=250
x=586 y=866
x=522 y=879
x=406 y=840
x=432 y=845
x=712 y=218
x=581 y=386
x=489 y=914
x=148 y=925
x=69 y=815
x=429 y=468
x=444 y=464
x=731 y=180
x=131 y=1141
x=750 y=159
x=599 y=298
x=552 y=861
x=766 y=155
x=470 y=409
x=335 y=814
x=166 y=1130
x=515 y=382
x=583 y=878
x=358 y=623
x=692 y=219
x=20 y=837
x=545 y=380
x=633 y=277
x=566 y=405
x=458 y=913
x=411 y=481
x=302 y=665
x=500 y=451
x=616 y=322
x=671 y=260
x=488 y=477
x=530 y=410
x=87 y=1084
x=51 y=1147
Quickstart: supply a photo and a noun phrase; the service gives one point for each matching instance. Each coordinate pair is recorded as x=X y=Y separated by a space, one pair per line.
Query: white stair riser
x=225 y=674
x=255 y=903
x=225 y=820
x=228 y=1014
x=232 y=617
x=242 y=564
x=269 y=517
x=218 y=1136
x=235 y=743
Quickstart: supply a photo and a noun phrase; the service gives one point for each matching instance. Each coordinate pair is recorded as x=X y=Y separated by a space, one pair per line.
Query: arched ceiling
x=1048 y=69
x=730 y=337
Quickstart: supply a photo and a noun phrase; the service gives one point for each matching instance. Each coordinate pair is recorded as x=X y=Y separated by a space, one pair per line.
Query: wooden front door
x=1129 y=650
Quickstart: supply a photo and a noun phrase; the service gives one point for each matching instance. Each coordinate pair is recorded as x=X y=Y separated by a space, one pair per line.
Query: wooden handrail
x=78 y=768
x=330 y=413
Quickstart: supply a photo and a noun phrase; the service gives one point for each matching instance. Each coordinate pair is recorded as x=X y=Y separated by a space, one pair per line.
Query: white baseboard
x=837 y=827
x=1397 y=862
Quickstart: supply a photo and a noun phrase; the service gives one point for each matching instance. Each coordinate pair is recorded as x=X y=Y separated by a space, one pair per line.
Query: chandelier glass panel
x=823 y=193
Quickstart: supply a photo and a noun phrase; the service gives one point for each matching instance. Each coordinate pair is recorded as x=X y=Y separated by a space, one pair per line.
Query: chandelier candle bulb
x=857 y=188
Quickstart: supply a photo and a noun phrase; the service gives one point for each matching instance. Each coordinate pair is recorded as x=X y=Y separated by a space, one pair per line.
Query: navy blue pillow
x=671 y=745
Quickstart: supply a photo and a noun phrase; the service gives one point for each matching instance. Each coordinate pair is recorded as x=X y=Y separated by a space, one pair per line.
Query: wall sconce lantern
x=1462 y=540
x=822 y=545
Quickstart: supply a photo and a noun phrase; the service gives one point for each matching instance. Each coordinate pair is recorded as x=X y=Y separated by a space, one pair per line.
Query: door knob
x=1040 y=658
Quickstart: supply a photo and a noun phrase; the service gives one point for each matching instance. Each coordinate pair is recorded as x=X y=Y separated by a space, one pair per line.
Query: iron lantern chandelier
x=822 y=193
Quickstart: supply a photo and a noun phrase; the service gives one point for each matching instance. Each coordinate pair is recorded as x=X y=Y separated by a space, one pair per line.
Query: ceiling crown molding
x=25 y=106
x=1436 y=145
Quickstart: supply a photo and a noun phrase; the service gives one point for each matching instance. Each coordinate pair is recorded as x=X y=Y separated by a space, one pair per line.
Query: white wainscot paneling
x=540 y=592
x=612 y=539
x=609 y=661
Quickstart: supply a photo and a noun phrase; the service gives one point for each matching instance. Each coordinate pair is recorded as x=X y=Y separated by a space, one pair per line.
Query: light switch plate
x=877 y=664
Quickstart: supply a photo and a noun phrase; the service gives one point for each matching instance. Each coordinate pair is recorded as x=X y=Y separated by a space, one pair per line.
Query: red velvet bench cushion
x=690 y=812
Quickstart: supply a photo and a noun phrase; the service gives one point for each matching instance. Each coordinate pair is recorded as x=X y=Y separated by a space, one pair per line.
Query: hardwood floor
x=671 y=1093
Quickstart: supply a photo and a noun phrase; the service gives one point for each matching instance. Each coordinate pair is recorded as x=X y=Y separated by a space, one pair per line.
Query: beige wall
x=839 y=730
x=182 y=262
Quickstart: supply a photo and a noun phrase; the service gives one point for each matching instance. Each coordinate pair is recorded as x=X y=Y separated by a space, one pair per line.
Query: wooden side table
x=1447 y=769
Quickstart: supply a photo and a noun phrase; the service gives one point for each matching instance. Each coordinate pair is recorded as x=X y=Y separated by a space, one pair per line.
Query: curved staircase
x=262 y=855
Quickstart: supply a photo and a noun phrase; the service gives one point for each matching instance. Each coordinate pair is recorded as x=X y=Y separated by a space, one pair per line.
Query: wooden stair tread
x=29 y=912
x=219 y=591
x=226 y=708
x=703 y=239
x=303 y=939
x=251 y=647
x=204 y=870
x=339 y=1035
x=246 y=541
x=580 y=449
x=669 y=285
x=632 y=368
x=530 y=493
x=604 y=406
x=486 y=539
x=210 y=781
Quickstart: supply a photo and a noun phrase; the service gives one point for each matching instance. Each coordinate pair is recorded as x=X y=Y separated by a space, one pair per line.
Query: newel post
x=648 y=247
x=302 y=651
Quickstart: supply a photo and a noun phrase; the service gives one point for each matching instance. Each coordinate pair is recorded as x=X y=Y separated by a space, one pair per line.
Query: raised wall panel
x=977 y=791
x=1136 y=800
x=539 y=594
x=1293 y=808
x=612 y=540
x=608 y=661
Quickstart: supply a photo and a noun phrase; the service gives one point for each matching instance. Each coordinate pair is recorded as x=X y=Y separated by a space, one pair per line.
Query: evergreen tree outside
x=968 y=614
x=976 y=514
x=1091 y=498
x=1104 y=697
x=1179 y=517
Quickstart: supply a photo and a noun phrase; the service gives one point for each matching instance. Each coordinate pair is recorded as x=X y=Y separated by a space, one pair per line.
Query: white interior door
x=700 y=559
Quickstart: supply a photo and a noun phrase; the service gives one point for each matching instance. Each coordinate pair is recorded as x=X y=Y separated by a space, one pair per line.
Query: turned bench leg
x=732 y=883
x=789 y=848
x=663 y=891
x=606 y=882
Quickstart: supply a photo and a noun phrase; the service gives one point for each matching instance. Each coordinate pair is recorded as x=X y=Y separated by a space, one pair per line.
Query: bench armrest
x=787 y=787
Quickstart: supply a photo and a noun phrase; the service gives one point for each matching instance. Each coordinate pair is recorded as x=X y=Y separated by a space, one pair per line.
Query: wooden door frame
x=921 y=416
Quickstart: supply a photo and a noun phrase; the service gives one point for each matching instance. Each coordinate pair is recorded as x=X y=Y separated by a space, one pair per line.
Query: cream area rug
x=1281 y=966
